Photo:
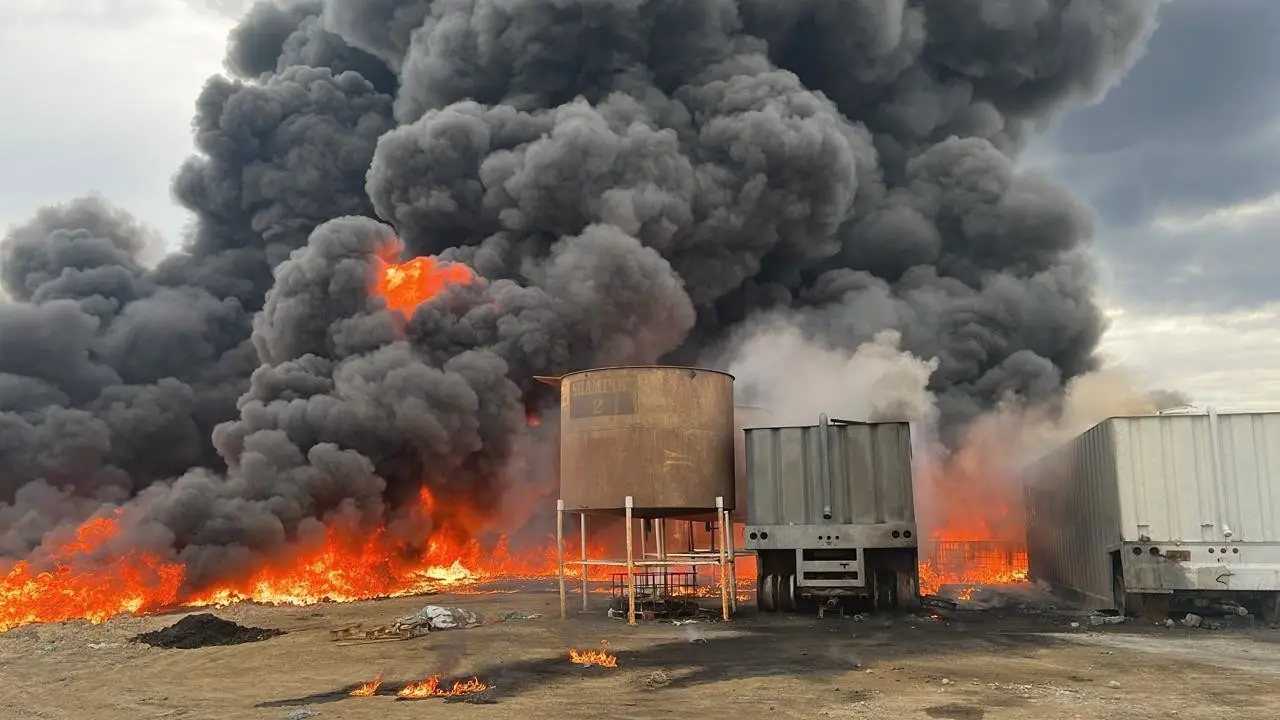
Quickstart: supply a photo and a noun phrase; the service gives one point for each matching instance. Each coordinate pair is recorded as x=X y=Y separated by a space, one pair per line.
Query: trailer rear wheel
x=767 y=593
x=886 y=590
x=1121 y=599
x=788 y=600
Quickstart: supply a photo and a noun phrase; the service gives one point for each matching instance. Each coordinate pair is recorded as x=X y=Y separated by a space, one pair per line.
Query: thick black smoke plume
x=632 y=179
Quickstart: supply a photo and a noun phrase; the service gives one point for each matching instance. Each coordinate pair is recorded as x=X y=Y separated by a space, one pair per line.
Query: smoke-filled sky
x=1179 y=162
x=633 y=182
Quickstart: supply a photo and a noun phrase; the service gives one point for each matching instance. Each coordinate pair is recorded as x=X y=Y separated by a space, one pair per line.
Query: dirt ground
x=993 y=664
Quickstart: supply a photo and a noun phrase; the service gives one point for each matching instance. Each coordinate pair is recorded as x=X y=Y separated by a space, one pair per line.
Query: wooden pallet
x=359 y=632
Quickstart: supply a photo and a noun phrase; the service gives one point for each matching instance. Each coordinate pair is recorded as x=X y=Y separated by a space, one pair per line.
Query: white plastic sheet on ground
x=434 y=618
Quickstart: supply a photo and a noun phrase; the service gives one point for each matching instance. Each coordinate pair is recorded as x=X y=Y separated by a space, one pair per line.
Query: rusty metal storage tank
x=663 y=435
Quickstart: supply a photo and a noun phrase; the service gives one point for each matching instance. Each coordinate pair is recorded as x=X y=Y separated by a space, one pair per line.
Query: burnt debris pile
x=204 y=630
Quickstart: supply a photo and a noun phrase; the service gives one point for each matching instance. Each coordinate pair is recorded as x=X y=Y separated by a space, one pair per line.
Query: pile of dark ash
x=204 y=630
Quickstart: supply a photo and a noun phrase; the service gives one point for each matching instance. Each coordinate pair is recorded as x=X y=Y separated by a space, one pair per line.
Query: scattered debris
x=103 y=646
x=1192 y=620
x=204 y=630
x=657 y=679
x=947 y=681
x=516 y=615
x=359 y=632
x=301 y=713
x=432 y=618
x=652 y=608
x=940 y=603
x=1106 y=619
x=1232 y=609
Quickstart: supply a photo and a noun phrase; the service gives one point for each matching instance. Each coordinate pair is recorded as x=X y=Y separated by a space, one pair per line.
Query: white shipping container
x=1156 y=505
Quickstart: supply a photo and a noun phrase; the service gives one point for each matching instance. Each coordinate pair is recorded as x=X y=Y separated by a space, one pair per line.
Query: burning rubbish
x=204 y=630
x=594 y=658
x=963 y=566
x=344 y=567
x=431 y=688
x=367 y=689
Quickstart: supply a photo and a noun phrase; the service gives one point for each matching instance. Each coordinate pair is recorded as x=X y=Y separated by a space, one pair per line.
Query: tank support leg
x=583 y=529
x=631 y=566
x=560 y=554
x=660 y=542
x=724 y=565
x=733 y=561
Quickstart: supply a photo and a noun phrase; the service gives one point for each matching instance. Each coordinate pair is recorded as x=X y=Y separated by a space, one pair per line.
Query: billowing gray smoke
x=632 y=179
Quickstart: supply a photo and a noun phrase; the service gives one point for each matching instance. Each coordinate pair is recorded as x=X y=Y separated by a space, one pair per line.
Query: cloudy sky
x=1181 y=162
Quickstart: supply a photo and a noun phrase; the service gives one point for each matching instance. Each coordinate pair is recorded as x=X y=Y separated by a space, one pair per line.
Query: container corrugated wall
x=1176 y=486
x=870 y=474
x=1157 y=479
x=1073 y=518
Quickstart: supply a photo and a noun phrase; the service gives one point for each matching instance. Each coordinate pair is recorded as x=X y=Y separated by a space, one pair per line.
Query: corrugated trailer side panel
x=1191 y=502
x=870 y=469
x=1073 y=518
x=1179 y=484
x=1251 y=464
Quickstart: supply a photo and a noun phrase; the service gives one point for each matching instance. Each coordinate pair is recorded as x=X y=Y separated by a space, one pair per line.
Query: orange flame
x=407 y=285
x=86 y=580
x=369 y=688
x=87 y=576
x=977 y=535
x=599 y=658
x=431 y=688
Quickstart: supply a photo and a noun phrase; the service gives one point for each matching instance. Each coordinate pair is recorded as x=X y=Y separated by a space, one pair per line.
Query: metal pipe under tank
x=823 y=443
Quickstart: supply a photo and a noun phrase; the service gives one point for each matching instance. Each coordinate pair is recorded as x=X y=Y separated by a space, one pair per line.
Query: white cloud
x=1230 y=360
x=1252 y=216
x=99 y=96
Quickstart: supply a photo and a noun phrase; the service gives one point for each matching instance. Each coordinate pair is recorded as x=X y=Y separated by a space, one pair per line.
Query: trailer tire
x=767 y=593
x=884 y=589
x=787 y=593
x=1124 y=604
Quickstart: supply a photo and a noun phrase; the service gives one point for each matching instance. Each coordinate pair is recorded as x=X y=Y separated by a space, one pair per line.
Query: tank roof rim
x=648 y=367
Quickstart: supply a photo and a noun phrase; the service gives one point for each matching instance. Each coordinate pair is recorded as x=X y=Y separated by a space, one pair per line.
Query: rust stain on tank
x=663 y=435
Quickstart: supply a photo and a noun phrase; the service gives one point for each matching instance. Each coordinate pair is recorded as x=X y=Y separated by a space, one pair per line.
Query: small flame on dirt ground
x=599 y=658
x=369 y=688
x=430 y=688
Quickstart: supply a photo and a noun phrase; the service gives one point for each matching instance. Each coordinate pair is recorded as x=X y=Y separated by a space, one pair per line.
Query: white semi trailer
x=830 y=514
x=1146 y=514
